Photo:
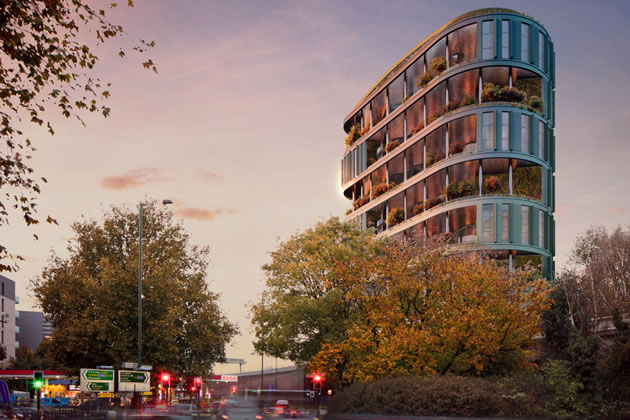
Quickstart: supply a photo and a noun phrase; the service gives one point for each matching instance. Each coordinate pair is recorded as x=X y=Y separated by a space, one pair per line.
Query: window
x=505 y=39
x=488 y=221
x=505 y=131
x=541 y=228
x=541 y=140
x=487 y=39
x=505 y=222
x=524 y=42
x=525 y=224
x=2 y=304
x=541 y=50
x=488 y=134
x=524 y=133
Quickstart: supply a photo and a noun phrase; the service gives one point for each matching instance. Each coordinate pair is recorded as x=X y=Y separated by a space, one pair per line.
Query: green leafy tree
x=305 y=304
x=47 y=62
x=26 y=359
x=90 y=296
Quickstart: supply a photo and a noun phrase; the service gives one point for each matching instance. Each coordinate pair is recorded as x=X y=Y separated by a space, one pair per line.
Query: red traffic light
x=198 y=381
x=166 y=377
x=193 y=389
x=317 y=378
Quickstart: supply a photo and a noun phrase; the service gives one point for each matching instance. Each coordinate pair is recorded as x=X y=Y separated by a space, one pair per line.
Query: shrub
x=451 y=106
x=468 y=100
x=424 y=79
x=491 y=184
x=395 y=216
x=512 y=94
x=436 y=115
x=361 y=201
x=490 y=92
x=455 y=148
x=467 y=187
x=418 y=208
x=348 y=211
x=537 y=103
x=438 y=64
x=451 y=191
x=353 y=134
x=417 y=128
x=380 y=189
x=392 y=145
x=567 y=399
x=432 y=202
x=430 y=159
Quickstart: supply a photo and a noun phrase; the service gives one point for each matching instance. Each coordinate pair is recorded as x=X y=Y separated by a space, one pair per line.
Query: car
x=238 y=409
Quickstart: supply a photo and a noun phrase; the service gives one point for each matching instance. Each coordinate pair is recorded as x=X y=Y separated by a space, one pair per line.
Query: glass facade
x=459 y=139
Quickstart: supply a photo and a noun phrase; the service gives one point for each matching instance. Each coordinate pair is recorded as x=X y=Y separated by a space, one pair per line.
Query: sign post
x=97 y=380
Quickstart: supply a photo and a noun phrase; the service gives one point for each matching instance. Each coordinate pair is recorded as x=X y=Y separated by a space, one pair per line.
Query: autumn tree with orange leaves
x=425 y=310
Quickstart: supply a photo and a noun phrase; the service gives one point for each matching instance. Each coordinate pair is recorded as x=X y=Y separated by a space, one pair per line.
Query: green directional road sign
x=98 y=386
x=96 y=380
x=97 y=375
x=129 y=380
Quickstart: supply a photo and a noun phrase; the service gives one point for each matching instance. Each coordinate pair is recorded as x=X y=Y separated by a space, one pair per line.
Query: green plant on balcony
x=491 y=184
x=361 y=201
x=460 y=189
x=430 y=159
x=418 y=208
x=424 y=79
x=451 y=190
x=512 y=94
x=417 y=128
x=380 y=189
x=527 y=181
x=395 y=216
x=353 y=135
x=468 y=100
x=436 y=115
x=348 y=211
x=392 y=145
x=455 y=148
x=438 y=64
x=537 y=103
x=432 y=202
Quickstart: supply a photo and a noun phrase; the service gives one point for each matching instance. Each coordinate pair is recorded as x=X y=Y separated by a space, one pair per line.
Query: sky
x=242 y=126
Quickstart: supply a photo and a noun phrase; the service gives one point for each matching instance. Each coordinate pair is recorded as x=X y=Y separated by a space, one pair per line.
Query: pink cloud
x=131 y=179
x=202 y=214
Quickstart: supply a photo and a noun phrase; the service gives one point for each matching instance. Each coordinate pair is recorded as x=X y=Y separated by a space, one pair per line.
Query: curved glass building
x=458 y=137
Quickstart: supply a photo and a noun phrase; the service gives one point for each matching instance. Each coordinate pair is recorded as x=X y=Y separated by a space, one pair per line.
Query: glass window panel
x=496 y=176
x=463 y=180
x=396 y=130
x=365 y=119
x=396 y=169
x=462 y=89
x=378 y=107
x=527 y=179
x=487 y=39
x=462 y=135
x=376 y=218
x=436 y=225
x=496 y=82
x=463 y=224
x=412 y=72
x=541 y=139
x=488 y=131
x=488 y=223
x=415 y=118
x=379 y=181
x=435 y=187
x=436 y=100
x=436 y=146
x=527 y=82
x=505 y=222
x=415 y=159
x=437 y=52
x=525 y=133
x=415 y=199
x=505 y=39
x=541 y=228
x=375 y=147
x=524 y=42
x=541 y=50
x=366 y=187
x=395 y=91
x=396 y=210
x=462 y=45
x=505 y=131
x=525 y=224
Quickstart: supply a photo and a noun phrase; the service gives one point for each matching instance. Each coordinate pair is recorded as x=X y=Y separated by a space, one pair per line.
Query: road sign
x=224 y=378
x=129 y=380
x=95 y=380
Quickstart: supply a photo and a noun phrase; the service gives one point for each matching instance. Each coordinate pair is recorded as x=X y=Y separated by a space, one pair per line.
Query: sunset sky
x=242 y=125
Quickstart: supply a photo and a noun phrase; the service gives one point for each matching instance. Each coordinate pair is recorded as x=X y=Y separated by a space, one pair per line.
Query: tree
x=425 y=310
x=90 y=296
x=305 y=304
x=46 y=64
x=26 y=359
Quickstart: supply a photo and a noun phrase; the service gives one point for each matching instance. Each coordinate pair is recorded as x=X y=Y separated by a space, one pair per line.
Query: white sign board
x=129 y=380
x=97 y=380
x=229 y=378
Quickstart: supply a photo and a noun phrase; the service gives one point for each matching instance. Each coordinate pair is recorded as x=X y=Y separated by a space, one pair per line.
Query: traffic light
x=317 y=378
x=166 y=377
x=198 y=381
x=193 y=389
x=233 y=389
x=38 y=379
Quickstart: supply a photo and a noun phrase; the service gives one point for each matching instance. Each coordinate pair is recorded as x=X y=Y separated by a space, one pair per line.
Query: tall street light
x=165 y=202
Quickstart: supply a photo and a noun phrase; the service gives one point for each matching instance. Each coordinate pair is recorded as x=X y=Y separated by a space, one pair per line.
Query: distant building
x=7 y=316
x=32 y=328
